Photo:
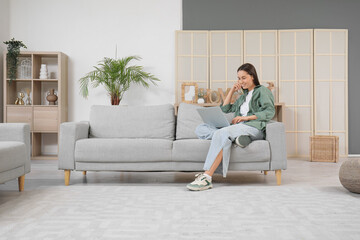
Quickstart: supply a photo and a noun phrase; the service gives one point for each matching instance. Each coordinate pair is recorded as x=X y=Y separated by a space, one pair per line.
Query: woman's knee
x=204 y=131
x=223 y=132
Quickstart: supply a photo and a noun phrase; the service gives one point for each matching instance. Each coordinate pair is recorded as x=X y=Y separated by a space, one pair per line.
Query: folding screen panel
x=330 y=85
x=260 y=49
x=192 y=60
x=308 y=68
x=296 y=88
x=226 y=56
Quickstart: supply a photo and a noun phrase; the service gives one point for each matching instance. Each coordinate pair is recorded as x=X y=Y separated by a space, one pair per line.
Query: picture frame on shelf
x=189 y=92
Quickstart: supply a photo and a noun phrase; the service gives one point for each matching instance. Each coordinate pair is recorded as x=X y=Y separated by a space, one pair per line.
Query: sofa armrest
x=19 y=132
x=275 y=135
x=70 y=132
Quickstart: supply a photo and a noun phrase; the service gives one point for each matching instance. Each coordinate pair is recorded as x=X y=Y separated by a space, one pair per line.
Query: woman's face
x=246 y=81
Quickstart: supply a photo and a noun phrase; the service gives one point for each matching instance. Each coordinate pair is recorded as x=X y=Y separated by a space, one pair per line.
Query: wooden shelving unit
x=44 y=119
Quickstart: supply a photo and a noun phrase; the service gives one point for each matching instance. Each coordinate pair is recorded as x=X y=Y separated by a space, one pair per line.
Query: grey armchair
x=14 y=152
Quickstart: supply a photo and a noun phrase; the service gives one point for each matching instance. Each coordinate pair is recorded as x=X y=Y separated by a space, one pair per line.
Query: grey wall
x=4 y=36
x=287 y=14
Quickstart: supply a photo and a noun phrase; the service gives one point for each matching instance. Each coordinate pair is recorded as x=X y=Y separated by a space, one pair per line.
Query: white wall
x=88 y=30
x=4 y=36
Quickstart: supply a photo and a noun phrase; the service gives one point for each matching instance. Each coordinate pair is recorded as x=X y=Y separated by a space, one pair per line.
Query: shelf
x=20 y=80
x=44 y=131
x=45 y=157
x=44 y=119
x=15 y=105
x=45 y=105
x=40 y=89
x=45 y=80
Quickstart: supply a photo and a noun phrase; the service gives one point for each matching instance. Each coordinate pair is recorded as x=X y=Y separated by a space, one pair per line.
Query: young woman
x=252 y=111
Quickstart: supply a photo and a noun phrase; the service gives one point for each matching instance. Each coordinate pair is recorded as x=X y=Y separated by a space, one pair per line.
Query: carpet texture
x=170 y=211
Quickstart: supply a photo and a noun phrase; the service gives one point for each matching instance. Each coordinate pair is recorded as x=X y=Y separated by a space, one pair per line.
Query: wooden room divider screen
x=307 y=66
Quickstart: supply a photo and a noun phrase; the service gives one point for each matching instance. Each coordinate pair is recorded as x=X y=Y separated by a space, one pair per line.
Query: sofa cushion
x=122 y=150
x=195 y=150
x=132 y=121
x=256 y=151
x=12 y=155
x=190 y=150
x=188 y=119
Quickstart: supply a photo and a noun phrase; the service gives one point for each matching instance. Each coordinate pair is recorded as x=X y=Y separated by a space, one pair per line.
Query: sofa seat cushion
x=133 y=121
x=122 y=150
x=12 y=155
x=195 y=150
x=190 y=150
x=257 y=151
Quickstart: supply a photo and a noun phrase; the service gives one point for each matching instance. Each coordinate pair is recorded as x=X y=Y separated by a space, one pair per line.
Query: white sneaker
x=201 y=183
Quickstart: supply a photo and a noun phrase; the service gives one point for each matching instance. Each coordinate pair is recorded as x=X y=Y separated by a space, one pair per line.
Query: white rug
x=169 y=211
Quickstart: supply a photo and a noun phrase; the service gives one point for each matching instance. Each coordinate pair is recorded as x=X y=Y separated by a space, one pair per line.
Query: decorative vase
x=51 y=97
x=28 y=99
x=25 y=69
x=43 y=72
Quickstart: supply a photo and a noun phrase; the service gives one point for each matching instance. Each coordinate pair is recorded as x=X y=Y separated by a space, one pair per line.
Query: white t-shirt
x=244 y=108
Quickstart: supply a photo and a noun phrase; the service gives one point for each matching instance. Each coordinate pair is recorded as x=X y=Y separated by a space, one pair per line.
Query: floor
x=310 y=204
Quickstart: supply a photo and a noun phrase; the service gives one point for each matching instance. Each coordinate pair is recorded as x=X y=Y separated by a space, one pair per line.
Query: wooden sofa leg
x=278 y=176
x=265 y=172
x=84 y=173
x=21 y=181
x=67 y=177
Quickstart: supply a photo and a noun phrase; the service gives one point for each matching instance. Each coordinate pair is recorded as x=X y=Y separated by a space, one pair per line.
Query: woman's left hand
x=239 y=119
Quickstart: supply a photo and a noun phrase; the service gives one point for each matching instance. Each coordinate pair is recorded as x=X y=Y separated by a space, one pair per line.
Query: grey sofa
x=14 y=152
x=143 y=138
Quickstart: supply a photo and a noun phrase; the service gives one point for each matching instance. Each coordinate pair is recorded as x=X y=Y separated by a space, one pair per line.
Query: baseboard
x=354 y=155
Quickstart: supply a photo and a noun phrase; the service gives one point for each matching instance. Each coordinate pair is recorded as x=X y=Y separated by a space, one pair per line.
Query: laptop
x=213 y=116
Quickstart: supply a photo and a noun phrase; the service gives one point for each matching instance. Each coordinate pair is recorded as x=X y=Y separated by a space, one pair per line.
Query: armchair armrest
x=19 y=132
x=70 y=132
x=275 y=134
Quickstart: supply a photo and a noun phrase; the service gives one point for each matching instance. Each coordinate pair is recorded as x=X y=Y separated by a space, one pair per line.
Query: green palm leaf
x=116 y=76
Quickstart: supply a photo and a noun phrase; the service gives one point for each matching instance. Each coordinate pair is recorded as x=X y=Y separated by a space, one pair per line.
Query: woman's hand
x=243 y=119
x=236 y=86
x=239 y=119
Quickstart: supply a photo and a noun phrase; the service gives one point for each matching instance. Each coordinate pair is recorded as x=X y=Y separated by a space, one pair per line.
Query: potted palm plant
x=116 y=75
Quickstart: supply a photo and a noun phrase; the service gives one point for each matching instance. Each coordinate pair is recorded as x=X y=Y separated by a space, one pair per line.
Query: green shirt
x=261 y=105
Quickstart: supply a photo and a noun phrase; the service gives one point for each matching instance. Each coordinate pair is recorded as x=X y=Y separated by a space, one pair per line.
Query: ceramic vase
x=51 y=97
x=43 y=72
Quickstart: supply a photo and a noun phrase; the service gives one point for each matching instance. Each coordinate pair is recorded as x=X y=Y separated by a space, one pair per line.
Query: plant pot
x=115 y=100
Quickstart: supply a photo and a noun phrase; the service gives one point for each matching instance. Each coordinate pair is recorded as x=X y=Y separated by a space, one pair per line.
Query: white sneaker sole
x=199 y=189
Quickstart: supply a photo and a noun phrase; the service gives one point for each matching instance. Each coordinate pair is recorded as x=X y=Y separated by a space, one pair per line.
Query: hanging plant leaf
x=13 y=49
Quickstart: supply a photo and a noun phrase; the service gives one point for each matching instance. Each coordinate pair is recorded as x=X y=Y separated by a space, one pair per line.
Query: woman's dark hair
x=250 y=69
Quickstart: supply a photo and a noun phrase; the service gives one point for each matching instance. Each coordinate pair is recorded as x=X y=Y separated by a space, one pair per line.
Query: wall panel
x=330 y=82
x=296 y=87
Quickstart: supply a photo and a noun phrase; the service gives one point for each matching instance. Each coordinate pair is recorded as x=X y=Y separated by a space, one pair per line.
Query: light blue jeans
x=222 y=139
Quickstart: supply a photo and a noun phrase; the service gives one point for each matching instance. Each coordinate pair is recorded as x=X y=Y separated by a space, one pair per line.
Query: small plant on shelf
x=116 y=76
x=13 y=49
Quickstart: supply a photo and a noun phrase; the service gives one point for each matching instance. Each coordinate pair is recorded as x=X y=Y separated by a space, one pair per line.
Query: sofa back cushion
x=188 y=119
x=132 y=121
